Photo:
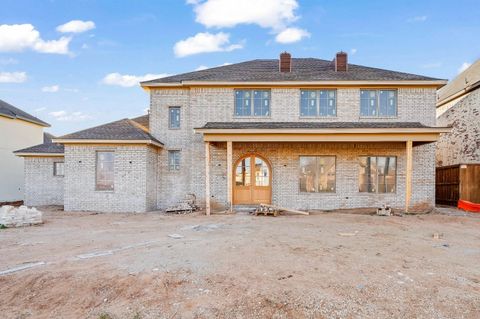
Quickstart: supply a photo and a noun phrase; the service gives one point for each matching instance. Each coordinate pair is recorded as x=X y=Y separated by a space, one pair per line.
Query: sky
x=77 y=64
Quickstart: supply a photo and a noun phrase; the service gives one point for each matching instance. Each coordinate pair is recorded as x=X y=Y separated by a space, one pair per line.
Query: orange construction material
x=469 y=206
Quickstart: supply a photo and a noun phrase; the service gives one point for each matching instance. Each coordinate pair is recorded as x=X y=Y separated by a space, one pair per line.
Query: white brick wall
x=201 y=105
x=284 y=158
x=132 y=185
x=41 y=187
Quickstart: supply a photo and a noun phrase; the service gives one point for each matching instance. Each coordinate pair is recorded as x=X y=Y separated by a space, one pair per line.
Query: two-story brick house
x=301 y=133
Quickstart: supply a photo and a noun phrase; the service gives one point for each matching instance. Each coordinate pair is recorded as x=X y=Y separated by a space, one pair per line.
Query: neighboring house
x=458 y=152
x=18 y=129
x=458 y=105
x=300 y=133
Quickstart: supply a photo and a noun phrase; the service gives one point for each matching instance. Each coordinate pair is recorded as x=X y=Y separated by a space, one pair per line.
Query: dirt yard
x=83 y=265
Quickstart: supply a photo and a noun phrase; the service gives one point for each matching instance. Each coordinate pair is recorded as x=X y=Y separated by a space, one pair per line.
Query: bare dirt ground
x=334 y=265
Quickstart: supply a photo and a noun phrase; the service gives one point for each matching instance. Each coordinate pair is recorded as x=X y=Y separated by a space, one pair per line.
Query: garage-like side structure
x=110 y=168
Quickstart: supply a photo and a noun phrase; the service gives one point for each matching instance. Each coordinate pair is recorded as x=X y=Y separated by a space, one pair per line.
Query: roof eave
x=41 y=123
x=425 y=130
x=105 y=141
x=33 y=154
x=435 y=83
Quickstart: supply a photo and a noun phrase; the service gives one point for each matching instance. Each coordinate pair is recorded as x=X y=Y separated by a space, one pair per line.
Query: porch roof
x=320 y=131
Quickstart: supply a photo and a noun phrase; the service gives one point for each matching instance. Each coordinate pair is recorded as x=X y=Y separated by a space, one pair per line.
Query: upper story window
x=318 y=103
x=381 y=103
x=58 y=169
x=174 y=117
x=252 y=103
x=105 y=171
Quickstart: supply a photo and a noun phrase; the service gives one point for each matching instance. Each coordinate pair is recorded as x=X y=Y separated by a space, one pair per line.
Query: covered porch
x=265 y=163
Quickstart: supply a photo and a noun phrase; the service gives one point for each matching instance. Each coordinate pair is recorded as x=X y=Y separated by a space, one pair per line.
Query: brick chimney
x=285 y=63
x=341 y=62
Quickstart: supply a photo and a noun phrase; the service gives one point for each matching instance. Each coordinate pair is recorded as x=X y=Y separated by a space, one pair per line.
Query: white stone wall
x=132 y=182
x=201 y=105
x=41 y=186
x=462 y=144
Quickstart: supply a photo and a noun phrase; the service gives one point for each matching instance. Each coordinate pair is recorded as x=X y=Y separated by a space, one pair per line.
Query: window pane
x=174 y=117
x=377 y=174
x=58 y=169
x=327 y=102
x=261 y=173
x=174 y=160
x=367 y=174
x=326 y=173
x=261 y=100
x=242 y=173
x=368 y=103
x=105 y=170
x=307 y=174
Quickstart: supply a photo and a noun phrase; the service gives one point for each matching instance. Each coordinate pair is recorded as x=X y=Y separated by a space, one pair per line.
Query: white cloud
x=126 y=80
x=418 y=19
x=291 y=35
x=274 y=14
x=19 y=37
x=204 y=42
x=76 y=26
x=353 y=51
x=204 y=67
x=71 y=90
x=40 y=109
x=464 y=66
x=70 y=116
x=13 y=77
x=51 y=89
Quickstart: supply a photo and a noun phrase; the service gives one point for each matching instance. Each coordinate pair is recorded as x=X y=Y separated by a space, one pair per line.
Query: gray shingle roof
x=50 y=148
x=12 y=112
x=125 y=129
x=303 y=69
x=309 y=125
x=143 y=120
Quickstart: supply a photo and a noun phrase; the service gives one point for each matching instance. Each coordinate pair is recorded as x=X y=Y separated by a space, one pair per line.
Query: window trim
x=376 y=192
x=96 y=170
x=55 y=169
x=318 y=104
x=300 y=168
x=170 y=127
x=378 y=104
x=169 y=151
x=252 y=106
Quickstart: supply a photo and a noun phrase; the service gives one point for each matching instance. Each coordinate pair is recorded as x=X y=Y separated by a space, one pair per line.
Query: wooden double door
x=252 y=181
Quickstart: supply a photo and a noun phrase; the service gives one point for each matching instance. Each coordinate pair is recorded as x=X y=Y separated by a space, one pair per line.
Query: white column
x=408 y=175
x=207 y=178
x=229 y=174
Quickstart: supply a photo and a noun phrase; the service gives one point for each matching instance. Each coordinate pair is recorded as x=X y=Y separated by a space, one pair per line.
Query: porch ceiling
x=320 y=132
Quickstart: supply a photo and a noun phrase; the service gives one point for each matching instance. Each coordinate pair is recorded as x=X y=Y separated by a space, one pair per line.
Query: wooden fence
x=461 y=181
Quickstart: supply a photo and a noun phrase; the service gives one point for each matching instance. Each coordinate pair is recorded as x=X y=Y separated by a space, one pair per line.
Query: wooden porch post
x=408 y=175
x=229 y=174
x=207 y=178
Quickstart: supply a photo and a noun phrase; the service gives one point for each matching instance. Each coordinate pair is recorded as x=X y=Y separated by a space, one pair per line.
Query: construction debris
x=19 y=216
x=384 y=211
x=348 y=234
x=176 y=236
x=267 y=209
x=187 y=206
